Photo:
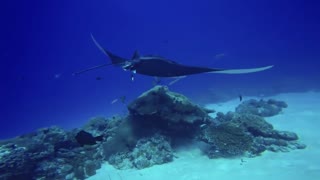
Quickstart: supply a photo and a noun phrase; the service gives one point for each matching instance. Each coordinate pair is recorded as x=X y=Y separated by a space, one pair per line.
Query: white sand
x=302 y=116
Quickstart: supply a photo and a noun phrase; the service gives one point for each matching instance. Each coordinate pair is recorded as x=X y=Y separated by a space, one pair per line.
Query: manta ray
x=156 y=66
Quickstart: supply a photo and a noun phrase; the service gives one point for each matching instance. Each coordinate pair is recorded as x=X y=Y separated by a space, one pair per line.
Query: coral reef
x=226 y=140
x=49 y=153
x=148 y=152
x=147 y=136
x=246 y=134
x=262 y=108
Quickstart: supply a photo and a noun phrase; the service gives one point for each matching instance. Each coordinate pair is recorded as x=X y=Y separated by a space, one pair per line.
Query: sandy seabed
x=302 y=117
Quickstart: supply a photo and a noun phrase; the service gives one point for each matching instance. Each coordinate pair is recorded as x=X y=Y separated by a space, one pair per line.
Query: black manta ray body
x=161 y=67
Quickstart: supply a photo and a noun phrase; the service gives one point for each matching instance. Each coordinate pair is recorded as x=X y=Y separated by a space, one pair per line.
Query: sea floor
x=302 y=117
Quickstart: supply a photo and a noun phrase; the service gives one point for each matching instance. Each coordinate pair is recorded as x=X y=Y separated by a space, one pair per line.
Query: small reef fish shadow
x=240 y=97
x=242 y=161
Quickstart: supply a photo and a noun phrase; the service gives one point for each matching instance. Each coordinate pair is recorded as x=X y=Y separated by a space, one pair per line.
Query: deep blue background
x=41 y=39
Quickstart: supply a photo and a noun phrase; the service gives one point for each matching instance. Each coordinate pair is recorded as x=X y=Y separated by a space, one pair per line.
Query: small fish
x=114 y=101
x=98 y=78
x=122 y=99
x=85 y=138
x=203 y=125
x=57 y=76
x=219 y=56
x=240 y=97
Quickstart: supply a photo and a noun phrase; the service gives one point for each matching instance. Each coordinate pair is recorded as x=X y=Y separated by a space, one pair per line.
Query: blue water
x=44 y=42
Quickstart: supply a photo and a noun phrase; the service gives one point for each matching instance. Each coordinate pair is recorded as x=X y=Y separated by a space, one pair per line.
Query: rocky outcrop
x=159 y=104
x=170 y=113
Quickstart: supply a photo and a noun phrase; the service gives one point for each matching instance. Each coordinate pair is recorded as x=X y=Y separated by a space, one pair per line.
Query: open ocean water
x=44 y=42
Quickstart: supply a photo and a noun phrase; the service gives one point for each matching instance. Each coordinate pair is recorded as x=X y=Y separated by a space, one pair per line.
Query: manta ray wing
x=242 y=71
x=116 y=60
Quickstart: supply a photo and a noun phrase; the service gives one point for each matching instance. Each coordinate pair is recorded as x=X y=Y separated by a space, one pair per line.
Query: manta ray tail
x=242 y=71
